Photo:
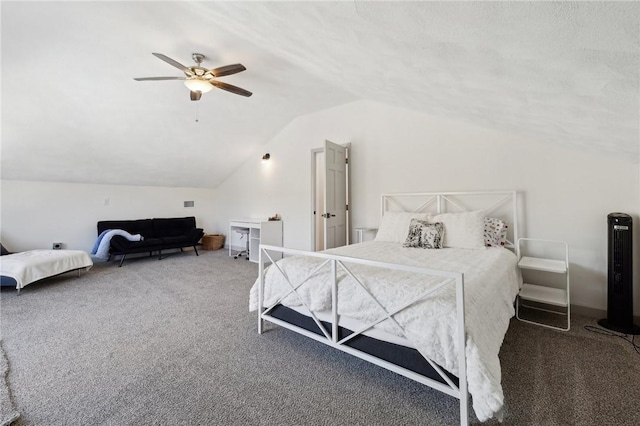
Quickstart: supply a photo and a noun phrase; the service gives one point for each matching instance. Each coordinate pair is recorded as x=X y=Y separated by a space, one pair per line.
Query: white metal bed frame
x=390 y=202
x=446 y=202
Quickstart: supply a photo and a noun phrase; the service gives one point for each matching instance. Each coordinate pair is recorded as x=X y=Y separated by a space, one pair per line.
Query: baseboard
x=234 y=248
x=584 y=310
x=588 y=312
x=597 y=313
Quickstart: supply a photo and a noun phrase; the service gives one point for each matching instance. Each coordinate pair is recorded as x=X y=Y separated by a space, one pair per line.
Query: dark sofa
x=159 y=234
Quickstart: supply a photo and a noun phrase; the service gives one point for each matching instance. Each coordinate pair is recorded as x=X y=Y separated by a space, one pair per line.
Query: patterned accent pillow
x=495 y=232
x=426 y=235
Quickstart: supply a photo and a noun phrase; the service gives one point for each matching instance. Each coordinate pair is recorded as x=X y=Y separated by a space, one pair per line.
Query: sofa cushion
x=174 y=227
x=143 y=227
x=122 y=245
x=176 y=242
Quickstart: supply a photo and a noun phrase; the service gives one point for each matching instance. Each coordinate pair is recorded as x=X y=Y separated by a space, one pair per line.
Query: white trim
x=314 y=153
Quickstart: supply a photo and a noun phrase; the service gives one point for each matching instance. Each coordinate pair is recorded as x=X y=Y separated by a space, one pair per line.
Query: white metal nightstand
x=360 y=233
x=542 y=294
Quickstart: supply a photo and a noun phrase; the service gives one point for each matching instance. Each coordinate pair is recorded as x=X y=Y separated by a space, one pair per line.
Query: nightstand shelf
x=360 y=233
x=547 y=265
x=542 y=294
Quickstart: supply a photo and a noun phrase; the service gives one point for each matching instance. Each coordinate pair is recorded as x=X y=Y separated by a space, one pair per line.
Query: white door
x=335 y=196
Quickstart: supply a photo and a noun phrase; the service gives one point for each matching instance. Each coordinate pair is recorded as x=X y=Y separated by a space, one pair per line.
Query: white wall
x=37 y=214
x=566 y=193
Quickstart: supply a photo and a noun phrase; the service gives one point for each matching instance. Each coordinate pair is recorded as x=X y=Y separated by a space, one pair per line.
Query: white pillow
x=462 y=230
x=394 y=227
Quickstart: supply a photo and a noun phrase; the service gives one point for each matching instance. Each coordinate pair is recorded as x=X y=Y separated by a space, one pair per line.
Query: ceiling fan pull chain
x=196 y=113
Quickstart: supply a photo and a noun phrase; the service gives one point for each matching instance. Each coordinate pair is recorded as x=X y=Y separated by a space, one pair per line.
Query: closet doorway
x=330 y=193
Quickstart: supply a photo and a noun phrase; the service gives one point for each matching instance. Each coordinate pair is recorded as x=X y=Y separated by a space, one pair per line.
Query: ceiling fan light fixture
x=198 y=85
x=200 y=80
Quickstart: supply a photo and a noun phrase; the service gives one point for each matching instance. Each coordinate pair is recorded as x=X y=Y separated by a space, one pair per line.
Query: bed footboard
x=332 y=337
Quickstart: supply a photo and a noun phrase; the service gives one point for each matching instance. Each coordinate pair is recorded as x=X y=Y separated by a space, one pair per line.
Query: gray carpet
x=172 y=342
x=8 y=412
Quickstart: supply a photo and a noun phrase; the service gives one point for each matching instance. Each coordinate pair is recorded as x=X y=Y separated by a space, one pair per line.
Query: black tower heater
x=620 y=275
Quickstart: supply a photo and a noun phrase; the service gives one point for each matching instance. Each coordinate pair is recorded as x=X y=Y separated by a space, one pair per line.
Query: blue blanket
x=101 y=247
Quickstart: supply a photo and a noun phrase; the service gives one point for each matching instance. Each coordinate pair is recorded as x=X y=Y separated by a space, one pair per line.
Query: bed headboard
x=502 y=205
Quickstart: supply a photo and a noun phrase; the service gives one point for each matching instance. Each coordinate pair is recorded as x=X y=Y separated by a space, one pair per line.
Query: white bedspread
x=491 y=284
x=33 y=265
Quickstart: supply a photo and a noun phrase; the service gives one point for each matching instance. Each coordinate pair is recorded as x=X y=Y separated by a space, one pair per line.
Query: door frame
x=313 y=215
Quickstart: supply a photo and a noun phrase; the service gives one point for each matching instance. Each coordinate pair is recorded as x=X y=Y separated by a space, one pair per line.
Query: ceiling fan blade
x=174 y=63
x=227 y=70
x=195 y=96
x=158 y=78
x=231 y=88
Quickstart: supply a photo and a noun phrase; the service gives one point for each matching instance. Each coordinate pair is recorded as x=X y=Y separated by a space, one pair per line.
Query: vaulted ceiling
x=557 y=72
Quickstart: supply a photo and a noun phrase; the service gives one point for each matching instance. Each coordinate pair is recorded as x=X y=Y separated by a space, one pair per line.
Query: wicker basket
x=212 y=241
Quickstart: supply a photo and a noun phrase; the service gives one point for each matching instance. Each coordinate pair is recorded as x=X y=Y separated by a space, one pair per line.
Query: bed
x=409 y=309
x=24 y=268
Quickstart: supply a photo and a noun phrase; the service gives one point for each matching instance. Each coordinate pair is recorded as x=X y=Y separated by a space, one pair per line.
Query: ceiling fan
x=200 y=80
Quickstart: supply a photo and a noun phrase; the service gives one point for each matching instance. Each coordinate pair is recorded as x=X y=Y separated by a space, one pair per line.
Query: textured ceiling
x=557 y=72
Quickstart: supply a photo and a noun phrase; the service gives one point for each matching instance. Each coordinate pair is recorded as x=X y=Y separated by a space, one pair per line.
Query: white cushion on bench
x=33 y=265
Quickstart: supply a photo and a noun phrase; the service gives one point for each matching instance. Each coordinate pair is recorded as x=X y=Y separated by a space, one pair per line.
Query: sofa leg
x=181 y=249
x=159 y=254
x=122 y=260
x=194 y=247
x=109 y=258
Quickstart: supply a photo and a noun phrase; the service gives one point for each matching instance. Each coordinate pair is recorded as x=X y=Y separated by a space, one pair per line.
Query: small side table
x=360 y=233
x=541 y=293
